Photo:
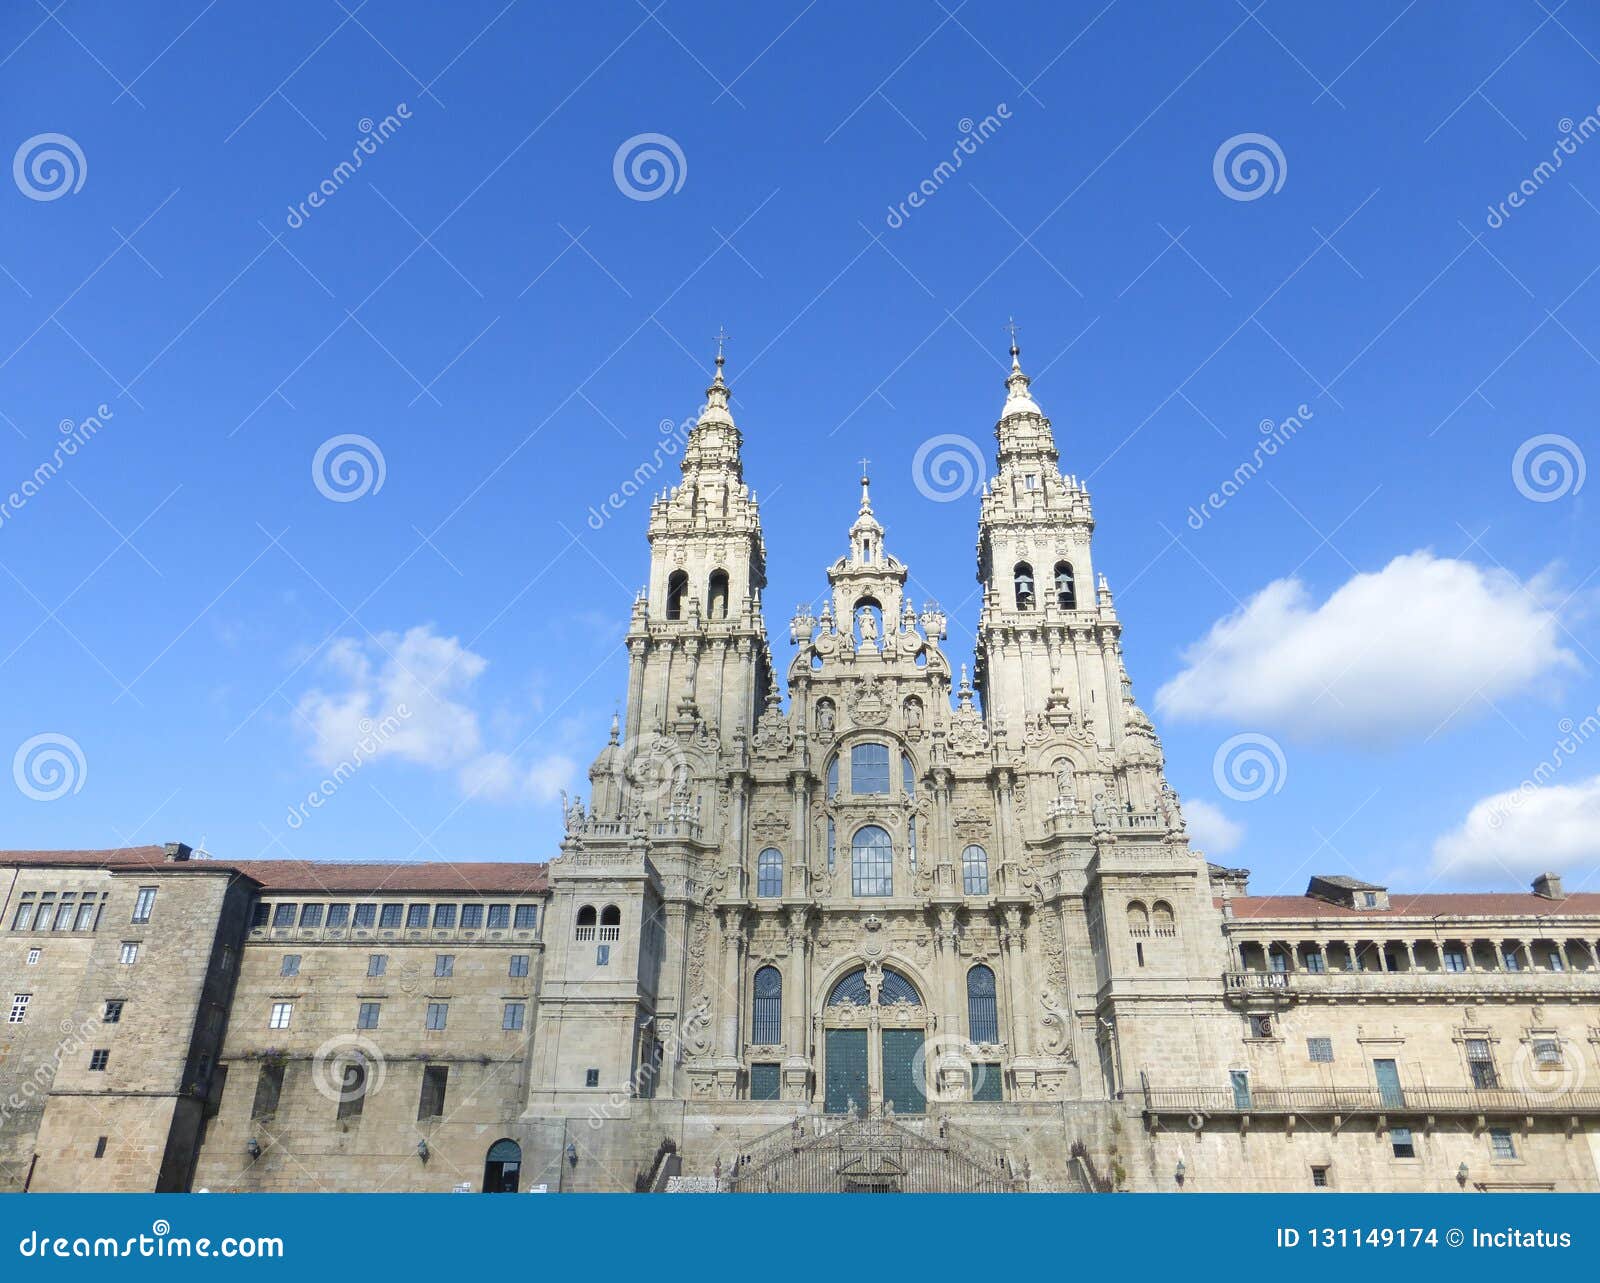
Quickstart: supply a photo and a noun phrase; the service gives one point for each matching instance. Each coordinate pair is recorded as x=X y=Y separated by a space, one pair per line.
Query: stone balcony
x=1242 y=988
x=1203 y=1103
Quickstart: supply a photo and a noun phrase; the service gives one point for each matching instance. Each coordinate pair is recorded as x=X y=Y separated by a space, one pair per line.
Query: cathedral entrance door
x=846 y=1070
x=903 y=1084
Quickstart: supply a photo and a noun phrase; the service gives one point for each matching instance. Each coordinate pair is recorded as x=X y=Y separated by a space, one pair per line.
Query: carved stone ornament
x=1055 y=1022
x=697 y=1027
x=868 y=707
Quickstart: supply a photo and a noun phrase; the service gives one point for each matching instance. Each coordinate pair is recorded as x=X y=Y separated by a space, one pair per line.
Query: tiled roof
x=450 y=877
x=1492 y=904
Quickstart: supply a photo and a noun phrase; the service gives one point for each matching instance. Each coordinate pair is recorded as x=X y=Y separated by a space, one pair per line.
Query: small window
x=444 y=917
x=435 y=1080
x=283 y=915
x=1546 y=1051
x=367 y=1015
x=144 y=904
x=1552 y=961
x=1315 y=963
x=377 y=963
x=260 y=914
x=1022 y=581
x=519 y=965
x=352 y=1089
x=869 y=768
x=311 y=915
x=527 y=917
x=100 y=1147
x=19 y=1008
x=1320 y=1050
x=471 y=917
x=602 y=955
x=366 y=916
x=769 y=873
x=417 y=917
x=33 y=957
x=444 y=964
x=1400 y=1139
x=499 y=917
x=269 y=1086
x=1369 y=899
x=1455 y=960
x=282 y=1013
x=338 y=915
x=438 y=1015
x=1501 y=1144
x=1480 y=1062
x=512 y=1016
x=291 y=964
x=1261 y=1026
x=389 y=916
x=975 y=871
x=1319 y=1178
x=113 y=1012
x=591 y=1077
x=130 y=953
x=99 y=1059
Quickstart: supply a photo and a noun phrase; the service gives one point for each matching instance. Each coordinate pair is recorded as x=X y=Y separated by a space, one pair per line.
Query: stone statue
x=825 y=716
x=867 y=624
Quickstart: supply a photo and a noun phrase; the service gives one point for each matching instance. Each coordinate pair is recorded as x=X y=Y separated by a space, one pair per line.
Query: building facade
x=911 y=927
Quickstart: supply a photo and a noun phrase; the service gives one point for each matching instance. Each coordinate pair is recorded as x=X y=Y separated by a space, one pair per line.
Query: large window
x=983 y=1016
x=767 y=1016
x=869 y=768
x=282 y=915
x=144 y=904
x=871 y=862
x=975 y=871
x=833 y=775
x=1480 y=1061
x=769 y=872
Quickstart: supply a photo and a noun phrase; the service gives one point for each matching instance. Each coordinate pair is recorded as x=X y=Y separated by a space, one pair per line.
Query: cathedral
x=881 y=922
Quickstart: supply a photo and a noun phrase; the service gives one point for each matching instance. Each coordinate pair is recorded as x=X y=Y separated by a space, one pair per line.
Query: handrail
x=1369 y=1100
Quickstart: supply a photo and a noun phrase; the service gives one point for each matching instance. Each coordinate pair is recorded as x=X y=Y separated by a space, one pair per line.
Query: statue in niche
x=913 y=715
x=868 y=626
x=825 y=716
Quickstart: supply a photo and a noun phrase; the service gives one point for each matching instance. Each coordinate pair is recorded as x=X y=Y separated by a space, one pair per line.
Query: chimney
x=1548 y=886
x=177 y=851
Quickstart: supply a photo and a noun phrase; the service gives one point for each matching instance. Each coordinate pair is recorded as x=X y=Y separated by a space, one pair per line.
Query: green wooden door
x=846 y=1051
x=903 y=1071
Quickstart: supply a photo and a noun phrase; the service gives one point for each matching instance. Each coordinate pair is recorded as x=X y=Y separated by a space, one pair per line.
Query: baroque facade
x=909 y=928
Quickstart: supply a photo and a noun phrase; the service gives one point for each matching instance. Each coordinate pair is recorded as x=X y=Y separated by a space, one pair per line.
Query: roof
x=1347 y=884
x=449 y=876
x=1491 y=904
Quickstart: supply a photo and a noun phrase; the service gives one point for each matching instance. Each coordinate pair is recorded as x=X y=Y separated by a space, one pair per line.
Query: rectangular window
x=366 y=915
x=1512 y=959
x=764 y=1081
x=527 y=917
x=438 y=1014
x=100 y=1147
x=602 y=955
x=19 y=1008
x=1546 y=1051
x=282 y=1012
x=311 y=915
x=1500 y=1143
x=1316 y=964
x=1319 y=1178
x=130 y=953
x=1239 y=1080
x=1480 y=1062
x=367 y=1016
x=260 y=914
x=869 y=768
x=24 y=918
x=435 y=1079
x=338 y=915
x=389 y=918
x=352 y=1090
x=65 y=911
x=1320 y=1050
x=99 y=1058
x=511 y=1018
x=33 y=957
x=113 y=1012
x=444 y=917
x=591 y=1077
x=499 y=917
x=1553 y=961
x=283 y=915
x=444 y=964
x=471 y=917
x=47 y=911
x=291 y=965
x=519 y=965
x=377 y=963
x=1455 y=960
x=86 y=916
x=417 y=917
x=268 y=1088
x=1401 y=1141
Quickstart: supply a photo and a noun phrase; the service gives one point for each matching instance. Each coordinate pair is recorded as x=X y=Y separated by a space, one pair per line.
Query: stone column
x=1021 y=1031
x=733 y=943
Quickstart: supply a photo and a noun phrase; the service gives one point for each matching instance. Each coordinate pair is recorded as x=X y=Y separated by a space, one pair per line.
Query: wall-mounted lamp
x=253 y=1147
x=422 y=1150
x=1178 y=1173
x=572 y=1154
x=1461 y=1176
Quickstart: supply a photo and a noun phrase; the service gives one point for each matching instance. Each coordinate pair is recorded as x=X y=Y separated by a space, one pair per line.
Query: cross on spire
x=864 y=463
x=721 y=336
x=1011 y=328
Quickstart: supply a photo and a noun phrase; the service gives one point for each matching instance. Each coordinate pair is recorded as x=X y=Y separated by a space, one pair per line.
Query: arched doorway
x=874 y=1030
x=502 y=1169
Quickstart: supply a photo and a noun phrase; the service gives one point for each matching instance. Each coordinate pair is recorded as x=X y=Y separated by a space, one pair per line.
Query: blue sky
x=484 y=302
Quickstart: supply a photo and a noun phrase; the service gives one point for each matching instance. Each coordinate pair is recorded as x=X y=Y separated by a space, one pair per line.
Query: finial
x=616 y=726
x=866 y=496
x=1011 y=328
x=721 y=336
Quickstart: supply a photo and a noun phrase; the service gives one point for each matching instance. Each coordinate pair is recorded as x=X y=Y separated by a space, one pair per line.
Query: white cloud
x=423 y=682
x=1399 y=650
x=1213 y=832
x=1525 y=831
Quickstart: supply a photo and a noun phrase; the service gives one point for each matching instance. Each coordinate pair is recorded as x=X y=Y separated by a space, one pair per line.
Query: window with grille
x=869 y=768
x=1480 y=1062
x=417 y=917
x=444 y=917
x=113 y=1012
x=1501 y=1145
x=1320 y=1050
x=833 y=775
x=764 y=1082
x=769 y=873
x=871 y=862
x=366 y=915
x=983 y=1013
x=1319 y=1178
x=338 y=915
x=283 y=915
x=986 y=1082
x=471 y=917
x=767 y=1016
x=499 y=917
x=99 y=1059
x=975 y=871
x=19 y=1008
x=1402 y=1142
x=389 y=916
x=1546 y=1051
x=311 y=915
x=527 y=917
x=908 y=775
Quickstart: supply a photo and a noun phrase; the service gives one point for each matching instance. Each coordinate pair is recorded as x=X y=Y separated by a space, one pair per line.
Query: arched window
x=766 y=1019
x=769 y=872
x=1138 y=919
x=983 y=1015
x=586 y=921
x=869 y=768
x=1066 y=586
x=833 y=775
x=1022 y=579
x=717 y=595
x=975 y=871
x=851 y=991
x=871 y=862
x=1162 y=920
x=677 y=586
x=897 y=989
x=611 y=923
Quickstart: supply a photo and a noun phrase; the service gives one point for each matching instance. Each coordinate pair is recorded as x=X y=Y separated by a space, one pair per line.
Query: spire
x=716 y=407
x=866 y=496
x=1018 y=399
